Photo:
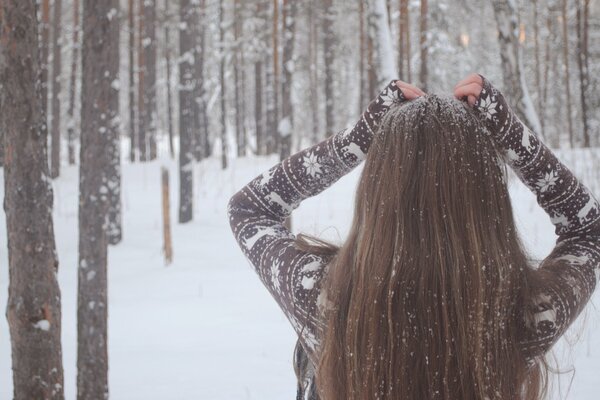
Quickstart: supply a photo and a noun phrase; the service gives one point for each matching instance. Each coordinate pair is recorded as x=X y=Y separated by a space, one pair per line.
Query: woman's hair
x=427 y=292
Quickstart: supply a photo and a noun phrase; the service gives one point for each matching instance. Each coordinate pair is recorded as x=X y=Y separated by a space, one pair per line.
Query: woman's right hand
x=469 y=89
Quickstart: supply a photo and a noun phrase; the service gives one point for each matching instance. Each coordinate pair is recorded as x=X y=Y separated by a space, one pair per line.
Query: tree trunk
x=223 y=87
x=99 y=95
x=132 y=105
x=149 y=89
x=582 y=62
x=44 y=62
x=142 y=128
x=56 y=67
x=512 y=63
x=201 y=119
x=404 y=42
x=33 y=308
x=565 y=48
x=186 y=107
x=168 y=84
x=328 y=58
x=238 y=73
x=286 y=124
x=424 y=46
x=71 y=135
x=538 y=74
x=383 y=54
x=166 y=211
x=314 y=73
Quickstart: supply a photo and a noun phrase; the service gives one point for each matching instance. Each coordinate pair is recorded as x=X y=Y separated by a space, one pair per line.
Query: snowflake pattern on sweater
x=258 y=211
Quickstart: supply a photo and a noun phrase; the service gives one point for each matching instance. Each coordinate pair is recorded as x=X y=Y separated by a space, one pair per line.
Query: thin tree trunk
x=258 y=109
x=286 y=125
x=404 y=42
x=424 y=46
x=44 y=62
x=33 y=308
x=149 y=48
x=166 y=211
x=538 y=75
x=169 y=99
x=384 y=65
x=142 y=128
x=186 y=116
x=223 y=87
x=314 y=73
x=56 y=69
x=201 y=131
x=565 y=47
x=132 y=105
x=238 y=74
x=582 y=62
x=512 y=62
x=328 y=58
x=100 y=55
x=71 y=135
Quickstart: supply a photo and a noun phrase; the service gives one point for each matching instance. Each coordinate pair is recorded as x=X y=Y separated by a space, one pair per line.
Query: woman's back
x=431 y=295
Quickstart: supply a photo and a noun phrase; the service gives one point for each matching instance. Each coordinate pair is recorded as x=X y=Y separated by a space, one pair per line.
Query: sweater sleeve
x=571 y=270
x=257 y=213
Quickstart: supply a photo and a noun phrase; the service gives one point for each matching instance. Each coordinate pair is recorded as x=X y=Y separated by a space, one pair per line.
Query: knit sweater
x=257 y=213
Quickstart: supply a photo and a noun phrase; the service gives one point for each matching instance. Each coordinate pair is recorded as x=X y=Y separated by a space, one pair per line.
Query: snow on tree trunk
x=200 y=120
x=149 y=88
x=286 y=124
x=99 y=90
x=56 y=67
x=223 y=85
x=238 y=73
x=505 y=12
x=131 y=59
x=71 y=135
x=33 y=308
x=379 y=31
x=328 y=58
x=583 y=11
x=186 y=107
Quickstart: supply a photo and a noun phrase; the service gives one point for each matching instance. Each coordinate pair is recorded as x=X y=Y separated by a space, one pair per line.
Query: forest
x=126 y=124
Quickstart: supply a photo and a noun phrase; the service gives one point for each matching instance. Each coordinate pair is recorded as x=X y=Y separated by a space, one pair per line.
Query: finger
x=469 y=89
x=469 y=79
x=471 y=100
x=409 y=93
x=412 y=87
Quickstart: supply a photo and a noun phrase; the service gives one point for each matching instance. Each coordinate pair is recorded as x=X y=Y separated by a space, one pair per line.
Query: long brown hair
x=428 y=289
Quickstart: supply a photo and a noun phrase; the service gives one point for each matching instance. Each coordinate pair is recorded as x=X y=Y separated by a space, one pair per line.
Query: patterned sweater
x=258 y=211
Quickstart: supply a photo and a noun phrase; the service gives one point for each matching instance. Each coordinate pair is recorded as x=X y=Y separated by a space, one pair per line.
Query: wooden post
x=167 y=246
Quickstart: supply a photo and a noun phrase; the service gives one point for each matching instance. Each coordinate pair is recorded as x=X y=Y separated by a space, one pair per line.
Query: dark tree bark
x=223 y=86
x=142 y=129
x=286 y=124
x=45 y=46
x=328 y=57
x=71 y=135
x=314 y=71
x=149 y=88
x=33 y=308
x=169 y=99
x=186 y=108
x=537 y=51
x=132 y=105
x=56 y=67
x=100 y=51
x=583 y=17
x=259 y=117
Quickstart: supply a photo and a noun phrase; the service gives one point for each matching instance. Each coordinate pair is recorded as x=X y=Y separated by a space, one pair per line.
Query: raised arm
x=571 y=270
x=257 y=212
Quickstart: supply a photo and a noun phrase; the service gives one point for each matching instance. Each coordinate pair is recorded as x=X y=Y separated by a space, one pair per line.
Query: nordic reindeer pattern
x=257 y=213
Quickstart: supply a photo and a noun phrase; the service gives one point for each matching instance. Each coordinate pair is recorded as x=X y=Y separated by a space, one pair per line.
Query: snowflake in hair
x=488 y=107
x=547 y=181
x=312 y=165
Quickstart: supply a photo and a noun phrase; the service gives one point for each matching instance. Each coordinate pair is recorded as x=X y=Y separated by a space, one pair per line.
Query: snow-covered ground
x=203 y=327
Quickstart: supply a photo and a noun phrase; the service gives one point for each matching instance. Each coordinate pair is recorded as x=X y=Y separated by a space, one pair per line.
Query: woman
x=431 y=296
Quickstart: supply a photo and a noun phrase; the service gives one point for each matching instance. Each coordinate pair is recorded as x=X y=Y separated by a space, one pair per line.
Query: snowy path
x=204 y=328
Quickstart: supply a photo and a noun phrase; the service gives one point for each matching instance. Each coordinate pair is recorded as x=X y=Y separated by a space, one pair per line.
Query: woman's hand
x=409 y=91
x=469 y=89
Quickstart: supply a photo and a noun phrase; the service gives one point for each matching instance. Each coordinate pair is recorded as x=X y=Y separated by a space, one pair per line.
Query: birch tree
x=286 y=124
x=71 y=135
x=505 y=12
x=186 y=107
x=383 y=53
x=131 y=58
x=100 y=56
x=34 y=303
